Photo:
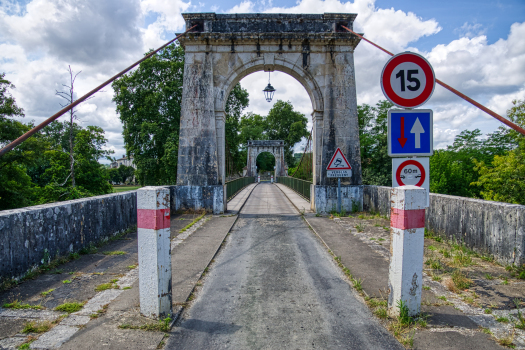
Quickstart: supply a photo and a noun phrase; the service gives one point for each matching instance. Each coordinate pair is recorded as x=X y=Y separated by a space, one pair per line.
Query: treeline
x=490 y=167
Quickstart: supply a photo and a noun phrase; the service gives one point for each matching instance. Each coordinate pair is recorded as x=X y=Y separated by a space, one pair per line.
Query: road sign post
x=339 y=167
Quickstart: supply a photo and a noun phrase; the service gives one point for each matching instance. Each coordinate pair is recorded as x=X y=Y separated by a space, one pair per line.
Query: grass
x=117 y=189
x=66 y=281
x=52 y=265
x=70 y=307
x=37 y=327
x=426 y=287
x=461 y=280
x=187 y=227
x=19 y=306
x=521 y=320
x=47 y=292
x=462 y=259
x=502 y=319
x=489 y=276
x=507 y=341
x=161 y=326
x=431 y=247
x=114 y=252
x=359 y=228
x=105 y=286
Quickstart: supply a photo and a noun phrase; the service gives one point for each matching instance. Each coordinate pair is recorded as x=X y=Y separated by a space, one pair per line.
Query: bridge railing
x=233 y=187
x=300 y=186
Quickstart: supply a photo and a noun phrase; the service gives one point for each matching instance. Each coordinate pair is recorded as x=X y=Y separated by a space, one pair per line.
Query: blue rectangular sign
x=410 y=133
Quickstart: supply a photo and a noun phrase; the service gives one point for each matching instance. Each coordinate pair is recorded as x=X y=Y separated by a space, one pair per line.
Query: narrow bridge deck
x=275 y=287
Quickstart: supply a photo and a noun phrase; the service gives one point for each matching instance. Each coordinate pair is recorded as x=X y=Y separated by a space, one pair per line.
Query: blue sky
x=477 y=47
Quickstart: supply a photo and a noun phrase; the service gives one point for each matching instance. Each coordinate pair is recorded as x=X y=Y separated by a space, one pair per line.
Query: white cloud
x=39 y=40
x=243 y=7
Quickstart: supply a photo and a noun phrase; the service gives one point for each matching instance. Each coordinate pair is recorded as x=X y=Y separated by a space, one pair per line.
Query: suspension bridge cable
x=451 y=89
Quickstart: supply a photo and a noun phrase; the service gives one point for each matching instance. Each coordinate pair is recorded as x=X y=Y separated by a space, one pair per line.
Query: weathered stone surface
x=493 y=228
x=209 y=198
x=31 y=236
x=326 y=198
x=224 y=48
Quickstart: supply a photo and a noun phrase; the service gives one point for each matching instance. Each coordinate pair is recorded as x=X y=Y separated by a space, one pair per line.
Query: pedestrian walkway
x=299 y=202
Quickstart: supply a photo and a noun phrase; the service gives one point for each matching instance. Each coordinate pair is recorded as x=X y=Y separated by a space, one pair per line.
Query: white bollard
x=153 y=225
x=271 y=179
x=407 y=231
x=259 y=178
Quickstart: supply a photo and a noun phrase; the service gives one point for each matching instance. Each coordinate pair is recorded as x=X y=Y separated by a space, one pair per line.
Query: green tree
x=503 y=179
x=452 y=170
x=284 y=123
x=148 y=102
x=237 y=101
x=16 y=186
x=91 y=176
x=375 y=163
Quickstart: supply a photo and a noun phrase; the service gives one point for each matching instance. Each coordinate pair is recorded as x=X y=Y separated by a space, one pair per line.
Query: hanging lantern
x=269 y=90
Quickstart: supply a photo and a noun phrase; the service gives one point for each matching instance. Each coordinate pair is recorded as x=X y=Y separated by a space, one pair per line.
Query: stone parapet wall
x=493 y=228
x=31 y=236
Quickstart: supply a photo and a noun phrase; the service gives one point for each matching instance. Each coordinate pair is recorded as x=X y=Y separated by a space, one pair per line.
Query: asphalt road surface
x=274 y=286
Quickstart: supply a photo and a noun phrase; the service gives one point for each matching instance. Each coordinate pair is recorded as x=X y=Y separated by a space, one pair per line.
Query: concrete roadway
x=274 y=286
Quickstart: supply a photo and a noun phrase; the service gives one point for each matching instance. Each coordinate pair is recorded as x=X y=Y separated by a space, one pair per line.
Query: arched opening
x=265 y=163
x=267 y=121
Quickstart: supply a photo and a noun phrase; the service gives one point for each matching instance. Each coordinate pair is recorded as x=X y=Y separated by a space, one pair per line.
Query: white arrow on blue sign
x=410 y=133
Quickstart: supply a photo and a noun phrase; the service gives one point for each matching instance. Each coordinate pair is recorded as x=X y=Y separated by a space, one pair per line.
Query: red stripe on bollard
x=406 y=219
x=153 y=219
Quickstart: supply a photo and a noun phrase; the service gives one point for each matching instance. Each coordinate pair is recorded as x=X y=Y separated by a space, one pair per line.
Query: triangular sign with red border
x=339 y=161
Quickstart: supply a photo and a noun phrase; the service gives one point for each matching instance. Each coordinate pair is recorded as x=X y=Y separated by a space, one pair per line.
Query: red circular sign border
x=427 y=69
x=411 y=162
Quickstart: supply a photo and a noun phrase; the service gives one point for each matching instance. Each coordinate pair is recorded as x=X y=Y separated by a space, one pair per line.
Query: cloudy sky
x=476 y=46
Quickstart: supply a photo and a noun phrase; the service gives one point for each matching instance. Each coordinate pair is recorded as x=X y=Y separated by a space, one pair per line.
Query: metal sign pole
x=339 y=195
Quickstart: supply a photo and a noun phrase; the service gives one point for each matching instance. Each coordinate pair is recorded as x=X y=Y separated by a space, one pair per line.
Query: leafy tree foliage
x=237 y=101
x=122 y=174
x=503 y=179
x=452 y=170
x=148 y=103
x=284 y=123
x=375 y=162
x=38 y=170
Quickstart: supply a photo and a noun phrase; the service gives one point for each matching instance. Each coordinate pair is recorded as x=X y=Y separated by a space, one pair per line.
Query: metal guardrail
x=234 y=186
x=300 y=186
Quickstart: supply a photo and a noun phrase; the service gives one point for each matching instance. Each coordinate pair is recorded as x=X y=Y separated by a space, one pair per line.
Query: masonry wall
x=31 y=235
x=487 y=227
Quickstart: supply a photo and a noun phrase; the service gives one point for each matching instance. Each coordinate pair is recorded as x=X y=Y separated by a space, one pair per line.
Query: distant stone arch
x=224 y=48
x=275 y=147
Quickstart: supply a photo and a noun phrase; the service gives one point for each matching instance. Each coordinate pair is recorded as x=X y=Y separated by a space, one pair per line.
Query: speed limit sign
x=408 y=80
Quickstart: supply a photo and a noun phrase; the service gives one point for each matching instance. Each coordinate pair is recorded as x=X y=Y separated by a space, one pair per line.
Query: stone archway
x=224 y=48
x=275 y=147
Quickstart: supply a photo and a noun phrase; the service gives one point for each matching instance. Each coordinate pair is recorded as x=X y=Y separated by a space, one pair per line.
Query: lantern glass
x=268 y=92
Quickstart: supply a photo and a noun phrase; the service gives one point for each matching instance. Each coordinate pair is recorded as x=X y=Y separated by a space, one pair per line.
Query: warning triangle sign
x=338 y=161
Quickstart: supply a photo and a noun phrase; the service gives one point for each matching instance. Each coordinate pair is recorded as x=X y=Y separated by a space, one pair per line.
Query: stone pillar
x=199 y=181
x=153 y=226
x=340 y=128
x=407 y=231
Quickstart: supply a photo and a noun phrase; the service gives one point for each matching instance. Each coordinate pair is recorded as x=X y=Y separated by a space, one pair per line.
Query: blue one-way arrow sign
x=410 y=133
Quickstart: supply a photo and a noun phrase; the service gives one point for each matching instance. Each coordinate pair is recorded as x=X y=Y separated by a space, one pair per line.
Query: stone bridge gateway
x=275 y=147
x=221 y=50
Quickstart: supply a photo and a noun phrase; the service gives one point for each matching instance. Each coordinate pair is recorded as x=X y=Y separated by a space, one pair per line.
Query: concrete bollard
x=153 y=225
x=407 y=231
x=258 y=178
x=271 y=179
